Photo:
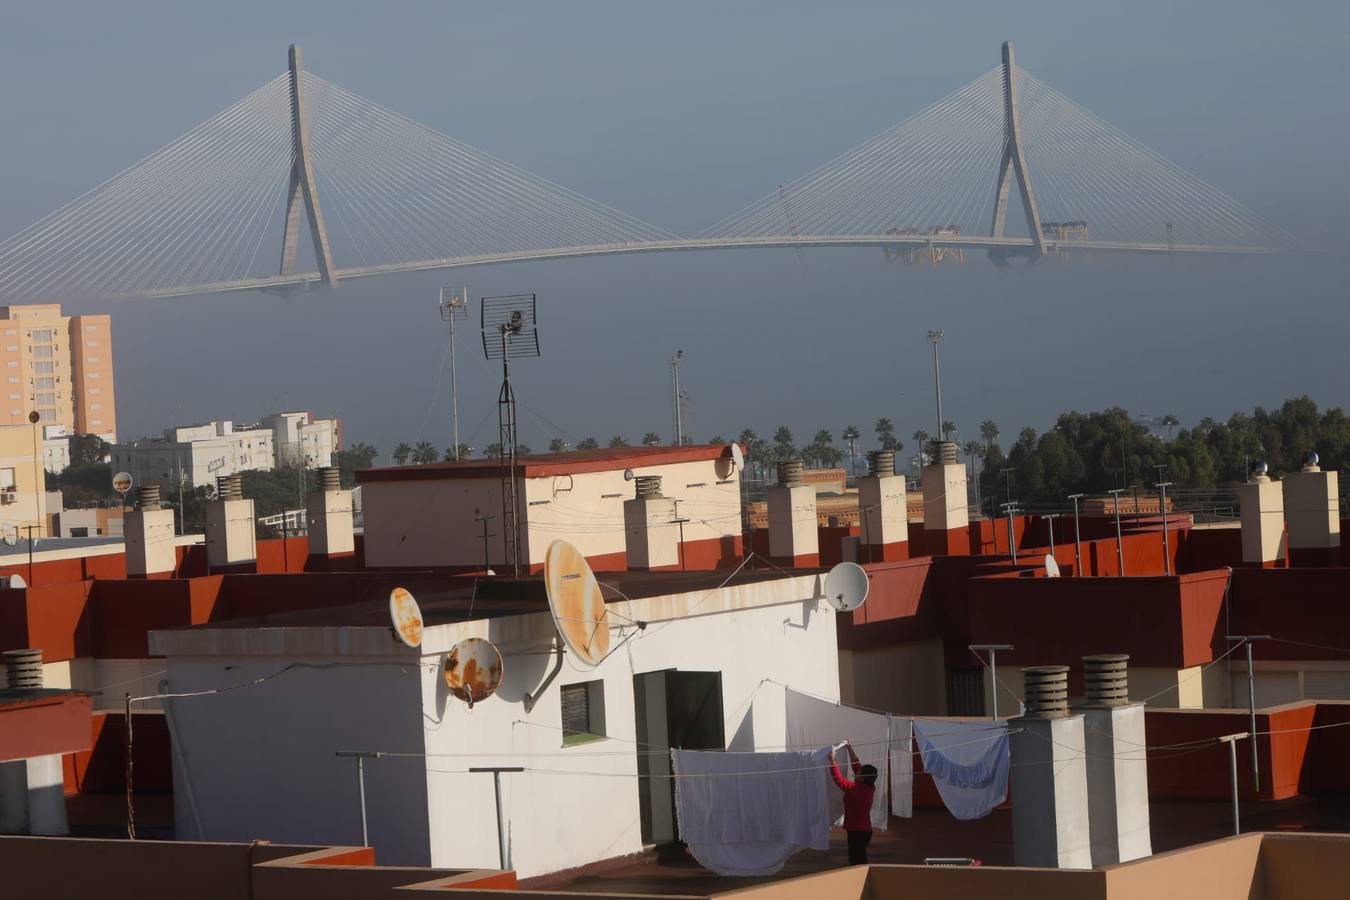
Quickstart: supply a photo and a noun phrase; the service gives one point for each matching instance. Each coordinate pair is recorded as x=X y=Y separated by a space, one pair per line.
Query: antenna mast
x=454 y=306
x=508 y=329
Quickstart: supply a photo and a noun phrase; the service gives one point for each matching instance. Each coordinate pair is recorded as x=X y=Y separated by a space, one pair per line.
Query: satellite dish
x=473 y=670
x=846 y=587
x=1051 y=567
x=406 y=617
x=11 y=535
x=738 y=457
x=122 y=482
x=627 y=474
x=14 y=582
x=577 y=605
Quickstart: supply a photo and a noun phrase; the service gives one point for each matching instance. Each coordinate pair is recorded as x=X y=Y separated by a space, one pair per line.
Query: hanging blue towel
x=968 y=761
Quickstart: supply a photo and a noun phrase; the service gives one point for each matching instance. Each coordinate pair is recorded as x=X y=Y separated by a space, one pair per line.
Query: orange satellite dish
x=406 y=617
x=473 y=670
x=577 y=605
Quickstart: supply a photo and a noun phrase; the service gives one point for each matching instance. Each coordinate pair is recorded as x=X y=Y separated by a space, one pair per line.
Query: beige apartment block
x=59 y=366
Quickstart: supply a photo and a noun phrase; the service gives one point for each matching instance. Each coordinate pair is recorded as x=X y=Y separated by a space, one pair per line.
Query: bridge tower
x=302 y=190
x=1014 y=160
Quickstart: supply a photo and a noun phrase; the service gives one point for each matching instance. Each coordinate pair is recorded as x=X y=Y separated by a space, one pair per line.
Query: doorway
x=675 y=709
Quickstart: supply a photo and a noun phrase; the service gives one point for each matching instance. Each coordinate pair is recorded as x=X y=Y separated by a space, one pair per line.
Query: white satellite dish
x=1051 y=567
x=11 y=535
x=121 y=482
x=846 y=586
x=577 y=605
x=627 y=474
x=738 y=457
x=14 y=582
x=473 y=670
x=405 y=616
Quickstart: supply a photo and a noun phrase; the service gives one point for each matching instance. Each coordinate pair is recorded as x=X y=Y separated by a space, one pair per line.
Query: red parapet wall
x=101 y=769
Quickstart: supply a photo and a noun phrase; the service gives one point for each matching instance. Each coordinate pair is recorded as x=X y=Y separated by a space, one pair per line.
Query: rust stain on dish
x=406 y=616
x=473 y=669
x=578 y=606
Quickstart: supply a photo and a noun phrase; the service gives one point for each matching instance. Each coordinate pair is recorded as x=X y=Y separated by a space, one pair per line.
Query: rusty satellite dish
x=405 y=616
x=846 y=586
x=577 y=605
x=473 y=670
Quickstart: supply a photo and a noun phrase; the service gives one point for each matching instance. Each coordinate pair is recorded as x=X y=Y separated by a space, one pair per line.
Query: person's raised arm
x=843 y=783
x=857 y=763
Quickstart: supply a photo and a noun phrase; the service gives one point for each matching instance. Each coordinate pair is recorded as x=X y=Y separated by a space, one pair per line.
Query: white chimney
x=149 y=535
x=1313 y=511
x=329 y=512
x=231 y=536
x=1262 y=503
x=1117 y=767
x=882 y=511
x=791 y=506
x=946 y=517
x=1048 y=782
x=651 y=540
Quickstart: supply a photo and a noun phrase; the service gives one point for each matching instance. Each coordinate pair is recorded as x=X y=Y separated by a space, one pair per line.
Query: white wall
x=259 y=760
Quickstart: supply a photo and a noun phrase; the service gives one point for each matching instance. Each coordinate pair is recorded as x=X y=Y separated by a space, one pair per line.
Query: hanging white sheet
x=812 y=722
x=968 y=761
x=746 y=813
x=902 y=767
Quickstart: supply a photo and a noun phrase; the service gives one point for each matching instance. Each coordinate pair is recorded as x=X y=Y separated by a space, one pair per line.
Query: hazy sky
x=680 y=113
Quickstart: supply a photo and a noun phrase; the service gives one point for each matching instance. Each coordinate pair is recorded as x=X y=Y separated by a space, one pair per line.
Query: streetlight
x=936 y=338
x=1120 y=546
x=1077 y=537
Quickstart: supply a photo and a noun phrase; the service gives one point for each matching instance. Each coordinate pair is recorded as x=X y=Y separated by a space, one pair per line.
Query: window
x=91 y=344
x=96 y=422
x=96 y=390
x=12 y=364
x=44 y=368
x=15 y=397
x=14 y=379
x=7 y=479
x=42 y=336
x=92 y=360
x=47 y=415
x=79 y=532
x=94 y=376
x=91 y=328
x=45 y=384
x=42 y=351
x=583 y=712
x=10 y=332
x=12 y=348
x=965 y=692
x=47 y=399
x=96 y=407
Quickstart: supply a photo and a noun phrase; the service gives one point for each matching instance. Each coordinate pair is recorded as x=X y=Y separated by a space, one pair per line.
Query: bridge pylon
x=1014 y=160
x=302 y=187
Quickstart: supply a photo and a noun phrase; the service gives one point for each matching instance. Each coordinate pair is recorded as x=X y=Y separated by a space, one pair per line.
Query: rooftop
x=540 y=465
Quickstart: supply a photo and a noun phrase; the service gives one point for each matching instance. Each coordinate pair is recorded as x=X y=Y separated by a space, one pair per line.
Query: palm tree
x=401 y=454
x=651 y=439
x=465 y=452
x=493 y=449
x=617 y=441
x=589 y=443
x=948 y=429
x=717 y=439
x=558 y=445
x=989 y=431
x=783 y=447
x=852 y=434
x=425 y=452
x=885 y=430
x=1171 y=422
x=920 y=437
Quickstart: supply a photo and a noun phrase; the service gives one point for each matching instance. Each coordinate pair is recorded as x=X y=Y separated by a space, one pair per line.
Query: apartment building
x=60 y=366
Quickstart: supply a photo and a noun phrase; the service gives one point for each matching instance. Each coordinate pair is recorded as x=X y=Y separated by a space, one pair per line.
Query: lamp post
x=936 y=338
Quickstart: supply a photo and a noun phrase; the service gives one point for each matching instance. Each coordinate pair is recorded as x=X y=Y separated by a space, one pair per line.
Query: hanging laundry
x=968 y=761
x=812 y=722
x=746 y=813
x=902 y=767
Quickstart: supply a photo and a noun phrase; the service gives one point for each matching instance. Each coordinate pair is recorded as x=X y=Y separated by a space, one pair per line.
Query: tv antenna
x=508 y=326
x=676 y=398
x=454 y=306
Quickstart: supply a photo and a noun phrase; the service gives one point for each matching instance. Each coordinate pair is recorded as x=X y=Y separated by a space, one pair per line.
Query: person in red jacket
x=857 y=804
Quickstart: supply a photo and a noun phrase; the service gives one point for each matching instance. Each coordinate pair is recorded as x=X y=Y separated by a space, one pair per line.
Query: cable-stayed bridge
x=377 y=192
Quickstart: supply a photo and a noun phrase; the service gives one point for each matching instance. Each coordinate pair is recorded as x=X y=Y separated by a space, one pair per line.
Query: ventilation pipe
x=791 y=507
x=946 y=517
x=651 y=534
x=148 y=531
x=1117 y=769
x=1312 y=509
x=32 y=790
x=1049 y=782
x=329 y=514
x=883 y=514
x=1262 y=505
x=231 y=535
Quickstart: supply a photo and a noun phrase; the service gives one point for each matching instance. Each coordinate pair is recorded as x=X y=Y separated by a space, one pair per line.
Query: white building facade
x=707 y=671
x=195 y=455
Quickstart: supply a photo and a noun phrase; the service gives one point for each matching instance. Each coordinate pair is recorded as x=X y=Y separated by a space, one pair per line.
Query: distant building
x=298 y=437
x=60 y=366
x=195 y=455
x=22 y=495
x=55 y=448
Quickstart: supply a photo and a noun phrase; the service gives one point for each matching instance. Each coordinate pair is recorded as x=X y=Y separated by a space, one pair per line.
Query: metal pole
x=993 y=668
x=1232 y=768
x=1251 y=709
x=454 y=390
x=497 y=791
x=1162 y=504
x=1009 y=509
x=361 y=788
x=1120 y=544
x=1050 y=523
x=675 y=396
x=936 y=338
x=1077 y=537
